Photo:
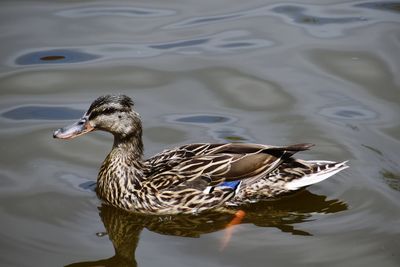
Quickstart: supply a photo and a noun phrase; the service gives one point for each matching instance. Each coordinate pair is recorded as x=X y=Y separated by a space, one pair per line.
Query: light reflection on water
x=297 y=14
x=224 y=42
x=128 y=11
x=348 y=113
x=273 y=73
x=381 y=5
x=54 y=56
x=42 y=113
x=306 y=16
x=219 y=127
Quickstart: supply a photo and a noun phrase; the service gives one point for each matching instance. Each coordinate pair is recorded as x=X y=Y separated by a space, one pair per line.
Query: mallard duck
x=192 y=178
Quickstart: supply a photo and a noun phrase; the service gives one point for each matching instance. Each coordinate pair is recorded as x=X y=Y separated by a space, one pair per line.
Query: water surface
x=216 y=71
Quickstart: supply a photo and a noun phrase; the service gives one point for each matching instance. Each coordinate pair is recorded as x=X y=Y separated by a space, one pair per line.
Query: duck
x=192 y=178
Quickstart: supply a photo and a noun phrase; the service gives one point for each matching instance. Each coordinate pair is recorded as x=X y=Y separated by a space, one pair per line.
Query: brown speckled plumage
x=190 y=178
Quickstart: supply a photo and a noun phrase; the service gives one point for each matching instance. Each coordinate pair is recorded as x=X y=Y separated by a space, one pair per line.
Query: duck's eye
x=109 y=111
x=119 y=117
x=106 y=111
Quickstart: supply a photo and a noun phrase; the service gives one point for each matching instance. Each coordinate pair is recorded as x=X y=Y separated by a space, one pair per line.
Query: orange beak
x=74 y=130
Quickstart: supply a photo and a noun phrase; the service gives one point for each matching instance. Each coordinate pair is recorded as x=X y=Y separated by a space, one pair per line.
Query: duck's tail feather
x=322 y=170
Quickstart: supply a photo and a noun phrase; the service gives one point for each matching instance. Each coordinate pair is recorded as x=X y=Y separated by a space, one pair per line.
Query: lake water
x=269 y=72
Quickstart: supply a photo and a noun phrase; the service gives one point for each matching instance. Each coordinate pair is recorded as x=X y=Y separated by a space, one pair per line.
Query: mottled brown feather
x=189 y=178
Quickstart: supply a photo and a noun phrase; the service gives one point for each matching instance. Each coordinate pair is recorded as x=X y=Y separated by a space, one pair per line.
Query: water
x=212 y=71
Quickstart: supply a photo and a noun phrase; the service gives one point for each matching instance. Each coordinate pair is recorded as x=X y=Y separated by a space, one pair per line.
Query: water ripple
x=200 y=119
x=348 y=113
x=42 y=113
x=299 y=15
x=223 y=42
x=385 y=6
x=205 y=20
x=127 y=11
x=179 y=44
x=335 y=18
x=392 y=179
x=203 y=119
x=219 y=127
x=54 y=56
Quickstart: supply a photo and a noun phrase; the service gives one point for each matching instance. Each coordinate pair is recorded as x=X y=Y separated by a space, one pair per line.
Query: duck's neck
x=121 y=171
x=131 y=146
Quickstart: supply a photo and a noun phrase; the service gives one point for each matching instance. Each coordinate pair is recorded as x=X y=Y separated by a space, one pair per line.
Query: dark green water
x=201 y=71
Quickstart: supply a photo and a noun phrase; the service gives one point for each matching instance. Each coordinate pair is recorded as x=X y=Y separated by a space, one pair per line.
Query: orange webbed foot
x=239 y=215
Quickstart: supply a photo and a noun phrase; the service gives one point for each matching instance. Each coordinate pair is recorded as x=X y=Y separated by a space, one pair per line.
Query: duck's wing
x=176 y=155
x=201 y=165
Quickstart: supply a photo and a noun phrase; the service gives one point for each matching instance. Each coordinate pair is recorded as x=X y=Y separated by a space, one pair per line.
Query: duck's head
x=110 y=113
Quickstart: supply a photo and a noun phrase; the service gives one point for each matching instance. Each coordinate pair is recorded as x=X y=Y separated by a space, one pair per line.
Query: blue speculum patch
x=231 y=184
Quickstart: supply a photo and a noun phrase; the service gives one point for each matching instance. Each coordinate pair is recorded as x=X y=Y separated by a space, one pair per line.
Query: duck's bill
x=74 y=130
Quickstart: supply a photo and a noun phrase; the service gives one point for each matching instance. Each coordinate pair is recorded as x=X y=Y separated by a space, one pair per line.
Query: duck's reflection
x=124 y=228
